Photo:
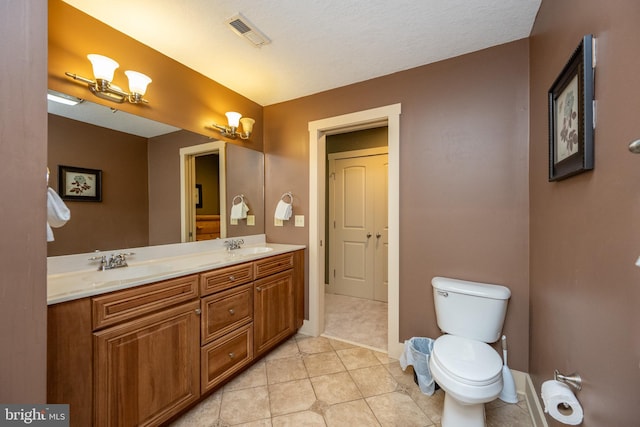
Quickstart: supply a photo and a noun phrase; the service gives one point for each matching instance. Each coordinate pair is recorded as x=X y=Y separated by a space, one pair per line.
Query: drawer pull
x=198 y=312
x=232 y=277
x=232 y=311
x=232 y=355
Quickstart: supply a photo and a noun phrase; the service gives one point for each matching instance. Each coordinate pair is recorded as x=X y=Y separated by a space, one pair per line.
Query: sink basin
x=256 y=250
x=127 y=273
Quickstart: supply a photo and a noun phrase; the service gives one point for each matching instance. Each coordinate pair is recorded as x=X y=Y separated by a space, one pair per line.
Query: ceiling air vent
x=242 y=27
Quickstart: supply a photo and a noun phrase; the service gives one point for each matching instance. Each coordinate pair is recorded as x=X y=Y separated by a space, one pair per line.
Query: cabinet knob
x=232 y=311
x=232 y=278
x=198 y=311
x=232 y=355
x=259 y=289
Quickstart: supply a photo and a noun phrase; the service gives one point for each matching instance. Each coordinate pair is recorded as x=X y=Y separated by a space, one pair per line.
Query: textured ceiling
x=316 y=45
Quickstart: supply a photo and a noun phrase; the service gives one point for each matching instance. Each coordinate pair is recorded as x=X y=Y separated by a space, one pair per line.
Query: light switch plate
x=277 y=222
x=251 y=220
x=234 y=221
x=299 y=220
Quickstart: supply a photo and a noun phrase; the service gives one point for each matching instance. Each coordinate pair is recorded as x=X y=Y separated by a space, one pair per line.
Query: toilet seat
x=467 y=361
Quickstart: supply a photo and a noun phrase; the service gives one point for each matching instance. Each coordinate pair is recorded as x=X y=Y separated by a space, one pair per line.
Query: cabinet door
x=273 y=310
x=147 y=369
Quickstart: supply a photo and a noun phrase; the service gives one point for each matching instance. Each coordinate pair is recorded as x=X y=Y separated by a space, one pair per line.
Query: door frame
x=318 y=130
x=187 y=183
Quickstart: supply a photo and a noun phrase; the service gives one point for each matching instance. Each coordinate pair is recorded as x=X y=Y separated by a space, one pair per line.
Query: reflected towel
x=239 y=211
x=57 y=212
x=283 y=210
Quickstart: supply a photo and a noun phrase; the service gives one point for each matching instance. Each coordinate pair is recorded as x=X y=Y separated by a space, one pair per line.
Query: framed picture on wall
x=79 y=184
x=571 y=115
x=198 y=196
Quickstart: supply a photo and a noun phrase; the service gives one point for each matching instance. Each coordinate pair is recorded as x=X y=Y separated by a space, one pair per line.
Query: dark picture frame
x=198 y=196
x=79 y=184
x=571 y=115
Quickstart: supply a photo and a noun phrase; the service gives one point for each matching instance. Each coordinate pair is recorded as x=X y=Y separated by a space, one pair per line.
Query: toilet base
x=455 y=414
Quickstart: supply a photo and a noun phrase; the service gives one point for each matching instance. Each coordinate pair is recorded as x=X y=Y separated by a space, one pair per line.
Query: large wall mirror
x=141 y=180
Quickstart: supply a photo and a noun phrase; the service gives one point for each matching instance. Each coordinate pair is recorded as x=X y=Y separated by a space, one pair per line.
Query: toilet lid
x=469 y=361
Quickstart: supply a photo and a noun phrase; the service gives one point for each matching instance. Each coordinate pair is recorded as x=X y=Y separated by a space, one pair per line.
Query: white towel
x=283 y=210
x=239 y=210
x=57 y=213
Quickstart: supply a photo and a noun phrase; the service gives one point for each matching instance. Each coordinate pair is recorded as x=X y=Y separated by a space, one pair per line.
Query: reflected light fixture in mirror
x=102 y=87
x=234 y=120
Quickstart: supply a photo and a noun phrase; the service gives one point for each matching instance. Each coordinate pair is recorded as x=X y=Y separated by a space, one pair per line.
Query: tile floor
x=356 y=320
x=324 y=382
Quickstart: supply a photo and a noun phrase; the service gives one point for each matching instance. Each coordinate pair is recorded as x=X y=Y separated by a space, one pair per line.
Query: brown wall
x=164 y=184
x=121 y=219
x=463 y=176
x=585 y=296
x=23 y=157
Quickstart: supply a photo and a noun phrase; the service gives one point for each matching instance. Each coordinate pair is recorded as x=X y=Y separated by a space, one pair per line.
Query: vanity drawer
x=127 y=304
x=225 y=311
x=226 y=356
x=268 y=266
x=225 y=278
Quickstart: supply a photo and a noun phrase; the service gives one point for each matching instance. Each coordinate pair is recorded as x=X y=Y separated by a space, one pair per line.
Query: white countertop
x=71 y=277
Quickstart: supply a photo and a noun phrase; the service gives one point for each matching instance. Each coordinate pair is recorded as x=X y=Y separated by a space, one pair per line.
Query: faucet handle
x=101 y=258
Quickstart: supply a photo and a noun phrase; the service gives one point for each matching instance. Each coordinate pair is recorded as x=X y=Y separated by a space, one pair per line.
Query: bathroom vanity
x=145 y=352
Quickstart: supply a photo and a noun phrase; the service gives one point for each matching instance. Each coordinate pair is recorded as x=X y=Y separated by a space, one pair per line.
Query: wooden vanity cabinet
x=147 y=357
x=227 y=323
x=278 y=299
x=141 y=356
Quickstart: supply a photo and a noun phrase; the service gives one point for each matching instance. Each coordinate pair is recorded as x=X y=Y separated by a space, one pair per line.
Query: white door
x=358 y=221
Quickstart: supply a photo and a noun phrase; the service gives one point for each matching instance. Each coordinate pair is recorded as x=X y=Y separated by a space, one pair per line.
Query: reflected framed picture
x=198 y=196
x=571 y=125
x=79 y=184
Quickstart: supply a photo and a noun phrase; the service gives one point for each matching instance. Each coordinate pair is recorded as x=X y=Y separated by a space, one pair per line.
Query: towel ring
x=289 y=195
x=239 y=196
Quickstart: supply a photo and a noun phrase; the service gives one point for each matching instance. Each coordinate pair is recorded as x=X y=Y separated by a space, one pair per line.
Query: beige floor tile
x=255 y=376
x=430 y=405
x=205 y=414
x=510 y=415
x=358 y=357
x=397 y=409
x=242 y=406
x=374 y=380
x=312 y=345
x=287 y=349
x=286 y=369
x=260 y=423
x=292 y=396
x=350 y=414
x=323 y=363
x=340 y=345
x=299 y=419
x=335 y=388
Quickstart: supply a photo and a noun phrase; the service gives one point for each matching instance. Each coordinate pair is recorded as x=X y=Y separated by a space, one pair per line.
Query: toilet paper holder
x=573 y=380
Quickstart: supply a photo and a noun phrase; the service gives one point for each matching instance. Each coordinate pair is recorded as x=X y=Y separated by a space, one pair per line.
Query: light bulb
x=247 y=124
x=137 y=82
x=103 y=67
x=233 y=118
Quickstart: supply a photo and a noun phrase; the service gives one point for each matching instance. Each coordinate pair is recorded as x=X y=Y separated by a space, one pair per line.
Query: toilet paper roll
x=561 y=403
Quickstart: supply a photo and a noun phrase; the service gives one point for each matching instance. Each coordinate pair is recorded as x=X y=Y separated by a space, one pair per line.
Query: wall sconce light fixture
x=103 y=70
x=234 y=120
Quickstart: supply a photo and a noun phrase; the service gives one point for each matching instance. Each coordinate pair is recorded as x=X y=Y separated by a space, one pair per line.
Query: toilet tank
x=470 y=309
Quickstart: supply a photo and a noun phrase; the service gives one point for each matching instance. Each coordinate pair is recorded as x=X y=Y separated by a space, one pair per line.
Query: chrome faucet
x=233 y=244
x=111 y=261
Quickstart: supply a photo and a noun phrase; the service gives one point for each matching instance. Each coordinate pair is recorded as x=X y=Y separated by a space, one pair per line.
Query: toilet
x=469 y=370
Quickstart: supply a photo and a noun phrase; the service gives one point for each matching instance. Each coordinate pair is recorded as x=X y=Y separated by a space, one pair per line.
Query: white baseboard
x=524 y=386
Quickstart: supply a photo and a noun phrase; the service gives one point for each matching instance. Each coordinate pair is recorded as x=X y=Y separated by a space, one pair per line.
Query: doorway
x=191 y=195
x=318 y=131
